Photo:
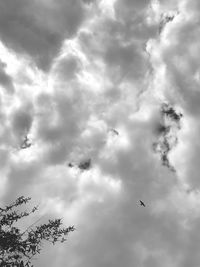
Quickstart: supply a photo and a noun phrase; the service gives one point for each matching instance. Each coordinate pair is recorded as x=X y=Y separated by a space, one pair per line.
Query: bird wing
x=142 y=203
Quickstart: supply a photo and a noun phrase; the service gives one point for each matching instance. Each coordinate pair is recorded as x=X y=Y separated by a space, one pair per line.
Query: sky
x=100 y=108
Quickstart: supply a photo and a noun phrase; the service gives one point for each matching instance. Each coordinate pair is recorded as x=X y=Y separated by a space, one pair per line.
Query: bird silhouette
x=142 y=203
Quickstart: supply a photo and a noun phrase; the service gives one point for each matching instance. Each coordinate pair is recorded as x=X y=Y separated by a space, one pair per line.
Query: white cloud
x=85 y=82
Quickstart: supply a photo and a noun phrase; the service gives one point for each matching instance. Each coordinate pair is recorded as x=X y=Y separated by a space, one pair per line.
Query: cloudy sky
x=99 y=108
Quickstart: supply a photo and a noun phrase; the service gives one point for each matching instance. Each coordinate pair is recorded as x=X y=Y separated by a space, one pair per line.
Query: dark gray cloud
x=68 y=68
x=89 y=1
x=37 y=28
x=21 y=178
x=21 y=123
x=5 y=79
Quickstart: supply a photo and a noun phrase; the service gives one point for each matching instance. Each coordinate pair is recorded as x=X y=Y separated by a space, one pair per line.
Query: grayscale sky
x=100 y=108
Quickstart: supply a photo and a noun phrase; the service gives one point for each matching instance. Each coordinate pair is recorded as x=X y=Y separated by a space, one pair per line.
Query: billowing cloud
x=37 y=28
x=100 y=109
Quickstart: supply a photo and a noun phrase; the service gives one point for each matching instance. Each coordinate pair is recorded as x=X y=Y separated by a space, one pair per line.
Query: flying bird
x=142 y=203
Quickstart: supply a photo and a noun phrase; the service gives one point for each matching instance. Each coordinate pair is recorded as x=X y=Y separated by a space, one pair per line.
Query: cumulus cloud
x=99 y=109
x=37 y=28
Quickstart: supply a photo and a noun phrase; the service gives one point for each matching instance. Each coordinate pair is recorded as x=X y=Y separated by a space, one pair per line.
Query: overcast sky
x=100 y=108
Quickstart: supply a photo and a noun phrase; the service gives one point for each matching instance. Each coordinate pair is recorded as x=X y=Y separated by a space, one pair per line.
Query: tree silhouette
x=18 y=248
x=26 y=143
x=85 y=165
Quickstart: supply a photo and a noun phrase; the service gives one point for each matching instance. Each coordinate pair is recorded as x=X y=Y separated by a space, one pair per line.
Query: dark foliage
x=170 y=112
x=26 y=143
x=167 y=137
x=17 y=248
x=85 y=165
x=162 y=129
x=163 y=148
x=164 y=20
